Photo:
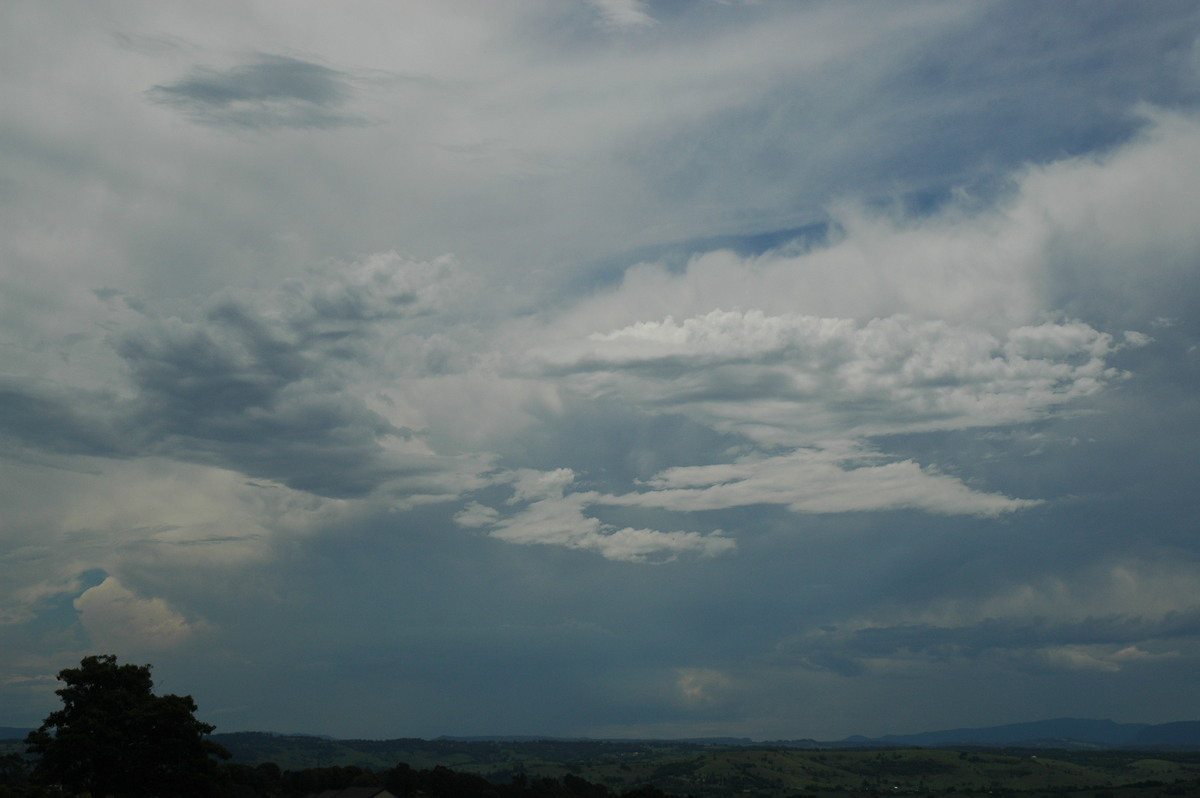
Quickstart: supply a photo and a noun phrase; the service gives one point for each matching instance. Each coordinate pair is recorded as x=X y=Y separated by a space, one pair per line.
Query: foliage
x=115 y=737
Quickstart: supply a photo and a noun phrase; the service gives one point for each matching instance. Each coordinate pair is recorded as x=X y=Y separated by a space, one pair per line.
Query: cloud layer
x=603 y=368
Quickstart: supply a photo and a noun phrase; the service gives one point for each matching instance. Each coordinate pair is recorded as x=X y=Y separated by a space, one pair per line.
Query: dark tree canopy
x=115 y=737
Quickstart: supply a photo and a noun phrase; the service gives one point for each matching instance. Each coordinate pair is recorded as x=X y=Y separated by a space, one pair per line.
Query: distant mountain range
x=1059 y=733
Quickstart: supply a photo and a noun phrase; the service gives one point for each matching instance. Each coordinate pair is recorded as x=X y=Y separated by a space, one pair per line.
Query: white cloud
x=191 y=524
x=834 y=479
x=530 y=484
x=793 y=379
x=1108 y=233
x=1080 y=658
x=1102 y=658
x=815 y=481
x=623 y=14
x=559 y=520
x=702 y=685
x=475 y=515
x=649 y=545
x=117 y=619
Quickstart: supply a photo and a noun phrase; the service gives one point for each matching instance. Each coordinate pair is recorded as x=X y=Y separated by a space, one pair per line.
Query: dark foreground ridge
x=115 y=737
x=657 y=769
x=1061 y=758
x=266 y=765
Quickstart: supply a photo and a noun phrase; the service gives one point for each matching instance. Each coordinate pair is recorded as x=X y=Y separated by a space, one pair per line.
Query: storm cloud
x=604 y=368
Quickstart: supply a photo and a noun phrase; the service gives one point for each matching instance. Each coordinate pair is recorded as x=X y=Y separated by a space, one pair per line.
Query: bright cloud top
x=795 y=378
x=118 y=619
x=815 y=481
x=623 y=14
x=548 y=515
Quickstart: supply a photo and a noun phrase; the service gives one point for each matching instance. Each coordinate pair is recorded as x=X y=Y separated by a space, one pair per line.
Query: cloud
x=882 y=291
x=1104 y=619
x=55 y=420
x=530 y=484
x=117 y=619
x=1134 y=588
x=623 y=14
x=1099 y=238
x=806 y=382
x=815 y=481
x=274 y=386
x=270 y=92
x=1080 y=658
x=553 y=518
x=790 y=378
x=702 y=685
x=1030 y=645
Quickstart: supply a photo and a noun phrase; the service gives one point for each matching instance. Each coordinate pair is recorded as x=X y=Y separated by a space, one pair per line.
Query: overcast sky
x=600 y=367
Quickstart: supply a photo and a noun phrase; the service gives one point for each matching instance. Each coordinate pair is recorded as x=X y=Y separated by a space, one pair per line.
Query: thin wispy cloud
x=623 y=14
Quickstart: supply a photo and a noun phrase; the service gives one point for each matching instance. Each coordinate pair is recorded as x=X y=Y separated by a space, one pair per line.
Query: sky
x=605 y=368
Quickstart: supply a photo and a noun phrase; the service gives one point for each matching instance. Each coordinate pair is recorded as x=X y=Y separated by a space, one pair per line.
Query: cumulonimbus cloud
x=115 y=617
x=818 y=387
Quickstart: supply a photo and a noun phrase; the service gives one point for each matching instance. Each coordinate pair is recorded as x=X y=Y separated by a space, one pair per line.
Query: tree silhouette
x=115 y=737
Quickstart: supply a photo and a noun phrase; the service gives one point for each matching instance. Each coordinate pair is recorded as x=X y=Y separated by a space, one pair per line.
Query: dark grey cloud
x=270 y=92
x=265 y=385
x=54 y=421
x=225 y=392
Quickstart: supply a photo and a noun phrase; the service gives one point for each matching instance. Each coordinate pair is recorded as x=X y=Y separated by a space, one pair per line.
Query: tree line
x=261 y=781
x=114 y=738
